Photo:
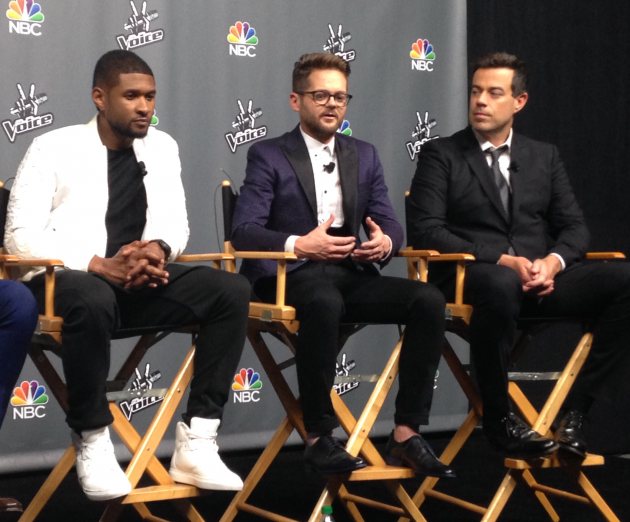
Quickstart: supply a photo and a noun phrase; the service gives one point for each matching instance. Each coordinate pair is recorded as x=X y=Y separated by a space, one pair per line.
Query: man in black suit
x=507 y=200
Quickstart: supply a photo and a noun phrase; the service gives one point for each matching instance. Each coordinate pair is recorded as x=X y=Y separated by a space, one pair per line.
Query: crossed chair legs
x=522 y=470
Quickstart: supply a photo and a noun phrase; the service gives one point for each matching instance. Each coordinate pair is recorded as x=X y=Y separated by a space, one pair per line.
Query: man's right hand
x=319 y=246
x=521 y=265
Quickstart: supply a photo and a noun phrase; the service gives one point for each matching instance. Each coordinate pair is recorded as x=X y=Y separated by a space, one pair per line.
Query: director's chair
x=48 y=338
x=277 y=320
x=518 y=470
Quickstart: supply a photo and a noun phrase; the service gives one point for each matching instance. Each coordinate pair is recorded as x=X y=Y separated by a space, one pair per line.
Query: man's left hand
x=542 y=273
x=376 y=248
x=148 y=265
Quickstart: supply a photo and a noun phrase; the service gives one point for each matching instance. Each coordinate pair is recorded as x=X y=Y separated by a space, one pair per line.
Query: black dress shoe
x=10 y=505
x=328 y=456
x=570 y=434
x=416 y=453
x=516 y=439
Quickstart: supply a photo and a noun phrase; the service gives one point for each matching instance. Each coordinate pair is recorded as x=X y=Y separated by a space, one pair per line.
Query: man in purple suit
x=310 y=191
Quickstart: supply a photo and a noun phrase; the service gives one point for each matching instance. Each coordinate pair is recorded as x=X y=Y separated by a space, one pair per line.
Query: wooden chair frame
x=279 y=321
x=48 y=338
x=518 y=470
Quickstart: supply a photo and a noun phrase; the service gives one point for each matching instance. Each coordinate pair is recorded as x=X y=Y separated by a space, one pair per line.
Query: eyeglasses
x=322 y=97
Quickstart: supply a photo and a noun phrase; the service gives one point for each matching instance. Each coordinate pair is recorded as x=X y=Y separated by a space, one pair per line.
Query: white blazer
x=60 y=195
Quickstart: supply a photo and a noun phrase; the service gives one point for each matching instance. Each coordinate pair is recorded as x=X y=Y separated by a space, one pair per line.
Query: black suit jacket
x=454 y=204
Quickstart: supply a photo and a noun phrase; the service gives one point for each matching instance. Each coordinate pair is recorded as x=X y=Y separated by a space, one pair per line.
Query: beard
x=127 y=131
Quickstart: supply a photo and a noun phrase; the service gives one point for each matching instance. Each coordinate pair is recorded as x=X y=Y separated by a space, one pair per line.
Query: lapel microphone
x=329 y=167
x=143 y=168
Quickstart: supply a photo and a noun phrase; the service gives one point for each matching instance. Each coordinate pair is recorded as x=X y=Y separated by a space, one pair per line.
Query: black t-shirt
x=127 y=206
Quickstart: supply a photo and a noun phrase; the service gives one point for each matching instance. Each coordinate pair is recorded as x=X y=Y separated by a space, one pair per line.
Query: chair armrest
x=48 y=321
x=11 y=260
x=417 y=262
x=602 y=256
x=278 y=256
x=281 y=272
x=217 y=260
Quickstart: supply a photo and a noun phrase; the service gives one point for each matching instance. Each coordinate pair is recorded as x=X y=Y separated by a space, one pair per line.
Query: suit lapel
x=297 y=154
x=349 y=177
x=520 y=158
x=479 y=166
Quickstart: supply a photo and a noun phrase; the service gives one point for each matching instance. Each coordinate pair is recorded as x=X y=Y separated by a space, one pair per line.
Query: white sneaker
x=196 y=458
x=98 y=470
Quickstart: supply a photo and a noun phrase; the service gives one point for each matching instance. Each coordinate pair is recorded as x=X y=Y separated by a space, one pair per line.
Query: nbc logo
x=29 y=400
x=421 y=134
x=422 y=55
x=242 y=39
x=25 y=17
x=138 y=26
x=345 y=128
x=247 y=386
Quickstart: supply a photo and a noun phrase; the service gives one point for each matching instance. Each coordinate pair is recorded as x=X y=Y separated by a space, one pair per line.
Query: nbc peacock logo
x=344 y=128
x=29 y=400
x=242 y=39
x=422 y=55
x=247 y=386
x=25 y=17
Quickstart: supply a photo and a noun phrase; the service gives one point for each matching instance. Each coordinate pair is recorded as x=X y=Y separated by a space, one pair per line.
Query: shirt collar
x=314 y=146
x=485 y=144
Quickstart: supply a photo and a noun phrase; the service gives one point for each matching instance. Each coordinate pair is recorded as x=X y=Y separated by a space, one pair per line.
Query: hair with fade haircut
x=307 y=63
x=114 y=63
x=508 y=61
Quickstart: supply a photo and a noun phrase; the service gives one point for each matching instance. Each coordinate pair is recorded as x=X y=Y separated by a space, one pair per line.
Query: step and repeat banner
x=223 y=72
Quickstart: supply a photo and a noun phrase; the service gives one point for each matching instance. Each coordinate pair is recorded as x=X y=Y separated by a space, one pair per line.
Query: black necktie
x=499 y=179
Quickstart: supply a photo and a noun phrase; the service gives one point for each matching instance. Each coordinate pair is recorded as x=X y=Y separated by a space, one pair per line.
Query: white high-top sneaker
x=98 y=470
x=196 y=458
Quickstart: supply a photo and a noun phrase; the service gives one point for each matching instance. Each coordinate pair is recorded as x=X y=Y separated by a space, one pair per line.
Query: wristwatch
x=164 y=246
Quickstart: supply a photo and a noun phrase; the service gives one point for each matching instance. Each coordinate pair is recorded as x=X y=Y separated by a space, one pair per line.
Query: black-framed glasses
x=322 y=97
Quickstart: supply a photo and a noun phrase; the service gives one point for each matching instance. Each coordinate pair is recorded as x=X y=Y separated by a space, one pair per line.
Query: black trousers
x=92 y=309
x=326 y=295
x=593 y=291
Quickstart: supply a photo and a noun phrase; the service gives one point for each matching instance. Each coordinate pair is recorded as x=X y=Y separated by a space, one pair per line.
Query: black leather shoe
x=10 y=505
x=516 y=439
x=416 y=453
x=328 y=456
x=570 y=434
x=10 y=509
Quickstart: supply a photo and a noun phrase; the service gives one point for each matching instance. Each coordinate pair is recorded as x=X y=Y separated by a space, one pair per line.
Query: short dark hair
x=112 y=64
x=307 y=63
x=508 y=61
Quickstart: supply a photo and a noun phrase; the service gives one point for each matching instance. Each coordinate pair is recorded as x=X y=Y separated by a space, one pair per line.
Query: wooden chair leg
x=50 y=485
x=596 y=499
x=271 y=451
x=502 y=495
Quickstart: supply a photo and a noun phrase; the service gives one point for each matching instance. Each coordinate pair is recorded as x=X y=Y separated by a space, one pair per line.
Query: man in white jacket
x=107 y=199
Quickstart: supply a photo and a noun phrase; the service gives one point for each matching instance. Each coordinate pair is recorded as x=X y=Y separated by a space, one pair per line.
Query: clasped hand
x=537 y=277
x=320 y=246
x=136 y=265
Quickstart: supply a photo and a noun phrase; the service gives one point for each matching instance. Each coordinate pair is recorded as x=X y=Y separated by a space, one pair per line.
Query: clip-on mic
x=329 y=167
